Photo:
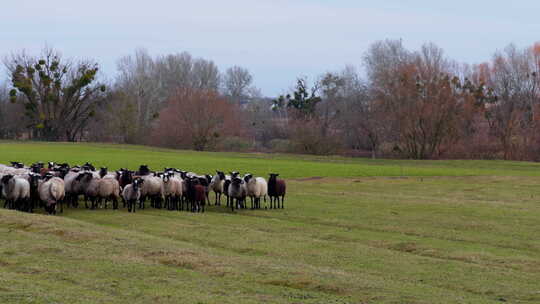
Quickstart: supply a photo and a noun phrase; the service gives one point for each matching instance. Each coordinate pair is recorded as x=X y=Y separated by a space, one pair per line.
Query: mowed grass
x=353 y=231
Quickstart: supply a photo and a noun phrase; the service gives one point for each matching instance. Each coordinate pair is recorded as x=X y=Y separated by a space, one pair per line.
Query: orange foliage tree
x=197 y=119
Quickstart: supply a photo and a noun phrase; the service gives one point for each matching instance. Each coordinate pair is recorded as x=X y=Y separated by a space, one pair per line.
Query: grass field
x=353 y=231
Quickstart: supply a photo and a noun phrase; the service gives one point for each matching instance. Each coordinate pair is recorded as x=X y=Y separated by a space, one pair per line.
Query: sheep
x=237 y=191
x=143 y=170
x=103 y=173
x=196 y=195
x=17 y=165
x=72 y=188
x=276 y=188
x=216 y=184
x=256 y=188
x=88 y=185
x=205 y=182
x=2 y=194
x=153 y=188
x=17 y=192
x=91 y=191
x=52 y=192
x=125 y=177
x=36 y=167
x=172 y=190
x=227 y=183
x=108 y=188
x=88 y=167
x=132 y=193
x=34 y=181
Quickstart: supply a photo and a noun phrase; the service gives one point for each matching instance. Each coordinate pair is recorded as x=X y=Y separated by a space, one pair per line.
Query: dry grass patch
x=304 y=283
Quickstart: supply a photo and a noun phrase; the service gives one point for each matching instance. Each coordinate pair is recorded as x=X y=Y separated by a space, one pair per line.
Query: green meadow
x=352 y=231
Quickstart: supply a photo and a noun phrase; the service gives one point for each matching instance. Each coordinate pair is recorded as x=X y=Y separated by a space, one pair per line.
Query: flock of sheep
x=52 y=187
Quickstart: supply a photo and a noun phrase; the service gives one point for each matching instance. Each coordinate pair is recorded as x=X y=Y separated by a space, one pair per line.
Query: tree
x=59 y=96
x=362 y=118
x=12 y=121
x=197 y=119
x=425 y=105
x=303 y=101
x=237 y=82
x=147 y=82
x=514 y=76
x=311 y=123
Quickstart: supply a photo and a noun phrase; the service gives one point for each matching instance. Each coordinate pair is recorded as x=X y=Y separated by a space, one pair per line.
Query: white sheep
x=153 y=188
x=16 y=191
x=52 y=193
x=173 y=191
x=256 y=188
x=108 y=188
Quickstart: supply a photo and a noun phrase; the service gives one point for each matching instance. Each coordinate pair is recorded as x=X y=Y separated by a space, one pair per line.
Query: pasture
x=352 y=231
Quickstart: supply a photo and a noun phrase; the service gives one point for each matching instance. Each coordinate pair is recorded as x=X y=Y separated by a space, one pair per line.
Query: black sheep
x=276 y=189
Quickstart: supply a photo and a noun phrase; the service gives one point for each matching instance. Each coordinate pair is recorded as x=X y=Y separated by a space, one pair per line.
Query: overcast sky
x=276 y=40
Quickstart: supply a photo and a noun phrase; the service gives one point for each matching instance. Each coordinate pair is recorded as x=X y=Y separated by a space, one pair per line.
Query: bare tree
x=141 y=87
x=514 y=76
x=237 y=82
x=147 y=83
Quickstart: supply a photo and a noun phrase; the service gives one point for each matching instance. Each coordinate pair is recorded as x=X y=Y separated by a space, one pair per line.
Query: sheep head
x=273 y=176
x=102 y=171
x=6 y=178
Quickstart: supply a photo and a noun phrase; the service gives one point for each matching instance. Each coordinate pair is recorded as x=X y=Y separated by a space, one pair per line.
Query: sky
x=276 y=40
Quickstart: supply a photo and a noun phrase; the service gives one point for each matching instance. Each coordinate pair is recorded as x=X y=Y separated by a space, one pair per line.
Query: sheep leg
x=141 y=202
x=203 y=204
x=29 y=205
x=75 y=201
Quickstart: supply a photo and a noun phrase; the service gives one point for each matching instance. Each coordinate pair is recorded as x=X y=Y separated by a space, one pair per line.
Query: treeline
x=408 y=104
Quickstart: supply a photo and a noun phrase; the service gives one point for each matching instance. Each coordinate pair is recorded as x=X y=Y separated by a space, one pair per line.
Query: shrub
x=234 y=143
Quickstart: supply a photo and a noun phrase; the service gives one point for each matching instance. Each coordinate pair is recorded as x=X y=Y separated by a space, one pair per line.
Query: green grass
x=381 y=231
x=289 y=165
